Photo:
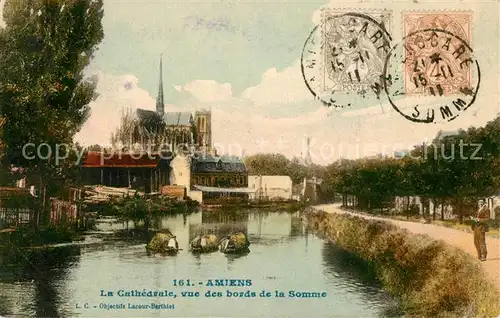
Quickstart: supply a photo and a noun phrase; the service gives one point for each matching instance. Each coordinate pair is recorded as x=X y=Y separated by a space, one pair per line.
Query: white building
x=181 y=172
x=270 y=187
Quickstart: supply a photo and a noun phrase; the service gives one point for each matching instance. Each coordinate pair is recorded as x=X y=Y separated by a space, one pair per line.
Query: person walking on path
x=480 y=227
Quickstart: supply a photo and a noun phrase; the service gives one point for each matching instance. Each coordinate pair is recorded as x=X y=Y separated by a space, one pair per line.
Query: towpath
x=460 y=239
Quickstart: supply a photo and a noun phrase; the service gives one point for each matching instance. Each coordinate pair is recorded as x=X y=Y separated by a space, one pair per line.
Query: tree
x=46 y=46
x=456 y=169
x=267 y=164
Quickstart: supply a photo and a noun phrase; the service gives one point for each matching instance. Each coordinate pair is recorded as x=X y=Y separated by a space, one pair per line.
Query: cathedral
x=160 y=130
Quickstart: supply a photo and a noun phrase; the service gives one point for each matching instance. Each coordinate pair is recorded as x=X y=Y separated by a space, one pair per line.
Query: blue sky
x=242 y=60
x=228 y=43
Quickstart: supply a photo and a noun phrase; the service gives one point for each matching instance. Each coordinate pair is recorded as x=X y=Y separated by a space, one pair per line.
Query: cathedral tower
x=203 y=122
x=160 y=104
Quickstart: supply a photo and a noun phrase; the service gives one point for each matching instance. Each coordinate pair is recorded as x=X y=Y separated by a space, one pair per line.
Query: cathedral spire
x=160 y=104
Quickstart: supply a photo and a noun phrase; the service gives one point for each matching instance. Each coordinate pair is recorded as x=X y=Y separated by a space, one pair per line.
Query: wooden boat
x=163 y=243
x=235 y=243
x=204 y=243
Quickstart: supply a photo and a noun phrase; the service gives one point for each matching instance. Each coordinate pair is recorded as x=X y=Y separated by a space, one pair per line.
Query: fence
x=14 y=217
x=62 y=211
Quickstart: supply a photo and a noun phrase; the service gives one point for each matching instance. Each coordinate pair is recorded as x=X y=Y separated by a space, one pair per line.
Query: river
x=284 y=256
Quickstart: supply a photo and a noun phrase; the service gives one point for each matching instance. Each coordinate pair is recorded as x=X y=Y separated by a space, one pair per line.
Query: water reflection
x=357 y=276
x=283 y=257
x=220 y=223
x=40 y=277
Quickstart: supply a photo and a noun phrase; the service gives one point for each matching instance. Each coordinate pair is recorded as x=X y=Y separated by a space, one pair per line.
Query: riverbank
x=45 y=235
x=430 y=277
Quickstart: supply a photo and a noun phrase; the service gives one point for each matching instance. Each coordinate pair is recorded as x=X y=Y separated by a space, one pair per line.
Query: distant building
x=270 y=187
x=218 y=177
x=449 y=133
x=141 y=172
x=401 y=153
x=17 y=207
x=310 y=190
x=146 y=129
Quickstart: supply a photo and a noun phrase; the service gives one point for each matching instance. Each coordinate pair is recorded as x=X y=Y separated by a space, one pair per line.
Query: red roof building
x=144 y=172
x=120 y=160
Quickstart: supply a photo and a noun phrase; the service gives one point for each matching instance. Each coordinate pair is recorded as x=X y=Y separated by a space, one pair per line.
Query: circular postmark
x=343 y=58
x=431 y=76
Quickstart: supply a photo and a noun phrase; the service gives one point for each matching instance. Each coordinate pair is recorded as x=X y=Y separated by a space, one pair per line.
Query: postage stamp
x=432 y=74
x=345 y=55
x=437 y=65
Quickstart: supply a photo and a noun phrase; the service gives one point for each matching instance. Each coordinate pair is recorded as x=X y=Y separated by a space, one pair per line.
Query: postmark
x=432 y=76
x=443 y=70
x=343 y=58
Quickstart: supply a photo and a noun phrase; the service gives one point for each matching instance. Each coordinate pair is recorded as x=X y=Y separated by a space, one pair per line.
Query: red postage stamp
x=437 y=49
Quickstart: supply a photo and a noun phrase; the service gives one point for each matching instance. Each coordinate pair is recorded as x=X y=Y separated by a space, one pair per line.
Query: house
x=493 y=204
x=310 y=189
x=270 y=187
x=180 y=172
x=140 y=171
x=220 y=177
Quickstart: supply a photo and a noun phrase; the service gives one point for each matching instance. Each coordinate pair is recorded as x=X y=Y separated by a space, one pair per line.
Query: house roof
x=119 y=160
x=170 y=118
x=145 y=114
x=178 y=118
x=208 y=163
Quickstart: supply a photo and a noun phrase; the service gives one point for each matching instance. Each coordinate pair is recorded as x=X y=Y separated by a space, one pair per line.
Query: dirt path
x=460 y=239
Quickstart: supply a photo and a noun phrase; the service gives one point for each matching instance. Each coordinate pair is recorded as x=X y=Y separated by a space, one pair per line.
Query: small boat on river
x=164 y=243
x=204 y=243
x=235 y=243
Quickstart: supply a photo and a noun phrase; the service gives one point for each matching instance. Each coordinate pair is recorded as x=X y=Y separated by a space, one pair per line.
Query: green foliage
x=279 y=165
x=46 y=46
x=431 y=278
x=456 y=169
x=138 y=208
x=47 y=234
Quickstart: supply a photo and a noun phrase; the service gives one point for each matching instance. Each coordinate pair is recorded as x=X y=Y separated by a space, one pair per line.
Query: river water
x=67 y=281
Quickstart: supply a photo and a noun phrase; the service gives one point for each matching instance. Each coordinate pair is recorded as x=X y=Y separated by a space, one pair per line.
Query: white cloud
x=279 y=88
x=244 y=123
x=116 y=95
x=237 y=127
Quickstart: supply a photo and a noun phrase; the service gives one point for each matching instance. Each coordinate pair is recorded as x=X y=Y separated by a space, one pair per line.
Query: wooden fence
x=63 y=211
x=15 y=217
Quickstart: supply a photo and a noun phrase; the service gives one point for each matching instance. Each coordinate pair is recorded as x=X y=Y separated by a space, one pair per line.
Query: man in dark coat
x=480 y=227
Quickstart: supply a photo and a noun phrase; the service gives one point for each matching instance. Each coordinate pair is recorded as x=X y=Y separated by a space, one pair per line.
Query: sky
x=241 y=59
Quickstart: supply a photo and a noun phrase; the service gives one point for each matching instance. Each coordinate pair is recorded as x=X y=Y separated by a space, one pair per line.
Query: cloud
x=207 y=91
x=279 y=88
x=239 y=128
x=278 y=114
x=116 y=95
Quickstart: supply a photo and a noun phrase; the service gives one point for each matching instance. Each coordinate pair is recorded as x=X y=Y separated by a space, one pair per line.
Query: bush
x=430 y=277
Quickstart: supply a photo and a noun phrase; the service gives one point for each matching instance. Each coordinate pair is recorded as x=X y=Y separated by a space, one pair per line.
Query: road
x=460 y=239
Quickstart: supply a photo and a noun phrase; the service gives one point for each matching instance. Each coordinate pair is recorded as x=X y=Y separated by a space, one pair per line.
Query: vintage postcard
x=249 y=158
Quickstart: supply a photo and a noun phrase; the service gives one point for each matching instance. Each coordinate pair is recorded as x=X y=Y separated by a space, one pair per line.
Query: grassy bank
x=430 y=278
x=50 y=234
